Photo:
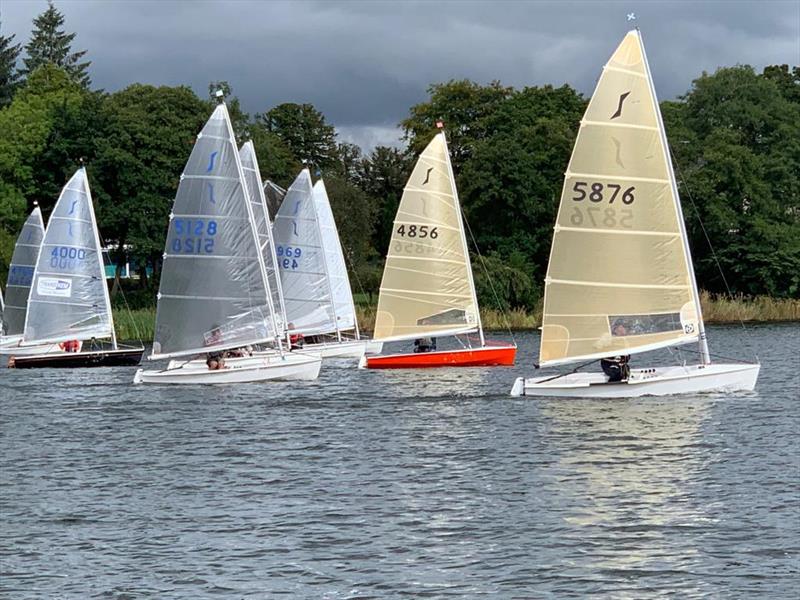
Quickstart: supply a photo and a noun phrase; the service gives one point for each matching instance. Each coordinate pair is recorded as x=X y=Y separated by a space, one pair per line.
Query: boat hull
x=124 y=357
x=343 y=349
x=289 y=367
x=488 y=356
x=657 y=381
x=10 y=346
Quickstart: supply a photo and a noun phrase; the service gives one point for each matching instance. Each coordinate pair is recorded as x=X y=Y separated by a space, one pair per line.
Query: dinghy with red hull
x=488 y=356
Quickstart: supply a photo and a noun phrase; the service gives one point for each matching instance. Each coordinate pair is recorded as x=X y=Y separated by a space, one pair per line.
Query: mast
x=463 y=237
x=325 y=264
x=99 y=257
x=702 y=340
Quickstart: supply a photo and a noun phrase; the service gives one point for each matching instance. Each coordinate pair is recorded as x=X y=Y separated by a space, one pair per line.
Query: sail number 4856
x=420 y=231
x=597 y=192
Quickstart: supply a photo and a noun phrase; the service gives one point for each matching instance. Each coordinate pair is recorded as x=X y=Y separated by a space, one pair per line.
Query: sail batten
x=619 y=280
x=435 y=296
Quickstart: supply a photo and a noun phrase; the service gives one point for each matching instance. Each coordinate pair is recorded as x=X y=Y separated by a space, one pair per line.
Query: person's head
x=619 y=329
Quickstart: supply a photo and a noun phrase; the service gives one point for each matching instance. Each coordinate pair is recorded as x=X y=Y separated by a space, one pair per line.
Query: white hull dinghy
x=620 y=279
x=215 y=294
x=274 y=367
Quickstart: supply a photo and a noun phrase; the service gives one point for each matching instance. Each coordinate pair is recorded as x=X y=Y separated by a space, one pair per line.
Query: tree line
x=735 y=138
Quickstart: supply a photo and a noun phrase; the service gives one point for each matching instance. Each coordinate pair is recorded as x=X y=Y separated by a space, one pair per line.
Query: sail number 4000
x=597 y=192
x=420 y=231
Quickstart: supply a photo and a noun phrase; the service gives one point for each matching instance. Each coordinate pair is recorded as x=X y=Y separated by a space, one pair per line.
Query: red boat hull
x=488 y=356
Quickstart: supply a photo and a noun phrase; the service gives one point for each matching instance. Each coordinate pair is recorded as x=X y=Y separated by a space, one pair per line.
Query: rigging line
x=488 y=276
x=722 y=356
x=575 y=370
x=679 y=176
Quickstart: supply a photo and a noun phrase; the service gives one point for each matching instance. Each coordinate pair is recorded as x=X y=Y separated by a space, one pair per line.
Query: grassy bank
x=140 y=324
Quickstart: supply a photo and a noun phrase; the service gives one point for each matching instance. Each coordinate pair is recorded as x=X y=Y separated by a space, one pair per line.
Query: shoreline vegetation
x=140 y=323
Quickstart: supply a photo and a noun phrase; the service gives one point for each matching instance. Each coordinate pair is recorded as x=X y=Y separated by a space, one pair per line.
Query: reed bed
x=716 y=309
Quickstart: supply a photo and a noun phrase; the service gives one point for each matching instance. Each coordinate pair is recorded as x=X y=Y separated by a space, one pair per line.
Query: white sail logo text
x=51 y=286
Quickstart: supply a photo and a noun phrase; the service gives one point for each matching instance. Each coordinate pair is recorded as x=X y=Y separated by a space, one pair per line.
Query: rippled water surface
x=392 y=484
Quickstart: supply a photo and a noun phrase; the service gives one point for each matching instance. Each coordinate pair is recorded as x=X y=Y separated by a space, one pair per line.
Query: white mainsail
x=620 y=279
x=427 y=287
x=20 y=273
x=258 y=204
x=69 y=296
x=301 y=260
x=214 y=293
x=335 y=266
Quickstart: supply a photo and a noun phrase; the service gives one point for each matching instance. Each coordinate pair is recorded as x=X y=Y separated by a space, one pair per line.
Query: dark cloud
x=365 y=63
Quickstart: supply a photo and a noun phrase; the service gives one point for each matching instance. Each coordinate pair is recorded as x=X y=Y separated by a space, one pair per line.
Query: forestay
x=619 y=280
x=336 y=268
x=258 y=205
x=20 y=273
x=213 y=292
x=427 y=284
x=69 y=296
x=301 y=261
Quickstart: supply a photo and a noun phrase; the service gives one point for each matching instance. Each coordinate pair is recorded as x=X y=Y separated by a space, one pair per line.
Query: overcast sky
x=363 y=64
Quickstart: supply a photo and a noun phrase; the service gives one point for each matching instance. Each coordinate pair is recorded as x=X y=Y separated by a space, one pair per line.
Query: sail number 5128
x=598 y=192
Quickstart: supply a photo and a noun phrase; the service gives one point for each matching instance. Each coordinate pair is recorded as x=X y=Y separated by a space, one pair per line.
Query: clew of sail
x=336 y=268
x=20 y=273
x=69 y=296
x=301 y=261
x=258 y=204
x=619 y=280
x=427 y=281
x=213 y=292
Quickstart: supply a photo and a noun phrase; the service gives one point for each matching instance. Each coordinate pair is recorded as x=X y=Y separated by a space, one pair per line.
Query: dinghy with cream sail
x=69 y=302
x=427 y=289
x=18 y=287
x=316 y=288
x=214 y=295
x=620 y=279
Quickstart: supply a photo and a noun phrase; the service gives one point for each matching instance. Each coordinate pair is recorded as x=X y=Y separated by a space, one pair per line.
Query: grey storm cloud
x=363 y=64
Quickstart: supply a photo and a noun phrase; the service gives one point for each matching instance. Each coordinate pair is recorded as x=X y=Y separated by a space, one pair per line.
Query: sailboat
x=620 y=279
x=18 y=286
x=69 y=302
x=427 y=288
x=214 y=294
x=317 y=293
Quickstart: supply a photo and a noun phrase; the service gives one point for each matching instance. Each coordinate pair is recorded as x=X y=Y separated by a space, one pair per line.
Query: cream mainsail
x=427 y=286
x=619 y=279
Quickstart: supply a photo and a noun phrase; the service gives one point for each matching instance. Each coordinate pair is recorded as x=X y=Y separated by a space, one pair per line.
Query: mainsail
x=20 y=273
x=335 y=265
x=69 y=296
x=619 y=279
x=213 y=293
x=258 y=205
x=274 y=195
x=427 y=286
x=301 y=260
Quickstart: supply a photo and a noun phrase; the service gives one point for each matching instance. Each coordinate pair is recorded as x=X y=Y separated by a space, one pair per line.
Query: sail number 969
x=598 y=192
x=418 y=231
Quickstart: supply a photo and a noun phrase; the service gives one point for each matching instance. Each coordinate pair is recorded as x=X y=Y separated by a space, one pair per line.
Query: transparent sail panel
x=618 y=278
x=20 y=273
x=301 y=261
x=212 y=294
x=274 y=195
x=334 y=257
x=426 y=288
x=69 y=297
x=258 y=204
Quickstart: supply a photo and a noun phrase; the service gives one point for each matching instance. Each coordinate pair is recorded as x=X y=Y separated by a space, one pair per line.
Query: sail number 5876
x=598 y=192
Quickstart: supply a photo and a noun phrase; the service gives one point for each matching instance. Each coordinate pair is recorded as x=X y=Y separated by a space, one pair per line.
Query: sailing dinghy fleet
x=243 y=299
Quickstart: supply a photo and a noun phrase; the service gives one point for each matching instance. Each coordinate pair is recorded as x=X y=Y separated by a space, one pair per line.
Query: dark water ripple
x=400 y=484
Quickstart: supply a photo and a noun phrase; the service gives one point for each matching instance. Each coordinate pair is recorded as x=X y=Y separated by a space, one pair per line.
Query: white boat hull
x=373 y=347
x=267 y=367
x=10 y=346
x=657 y=381
x=343 y=349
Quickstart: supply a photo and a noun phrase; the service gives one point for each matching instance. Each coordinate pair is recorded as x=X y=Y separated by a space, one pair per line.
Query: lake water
x=390 y=484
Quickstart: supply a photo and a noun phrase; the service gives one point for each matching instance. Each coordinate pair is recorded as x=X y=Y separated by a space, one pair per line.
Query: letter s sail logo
x=52 y=286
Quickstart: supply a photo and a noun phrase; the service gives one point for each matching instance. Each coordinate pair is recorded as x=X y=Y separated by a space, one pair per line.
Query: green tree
x=50 y=44
x=382 y=175
x=354 y=212
x=9 y=75
x=304 y=131
x=239 y=119
x=275 y=159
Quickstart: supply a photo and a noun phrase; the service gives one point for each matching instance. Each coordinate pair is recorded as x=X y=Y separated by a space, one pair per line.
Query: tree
x=9 y=75
x=275 y=159
x=50 y=44
x=354 y=213
x=240 y=120
x=304 y=131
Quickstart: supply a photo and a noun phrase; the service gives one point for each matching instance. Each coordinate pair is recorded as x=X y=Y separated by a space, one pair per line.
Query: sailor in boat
x=425 y=344
x=296 y=340
x=616 y=367
x=70 y=346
